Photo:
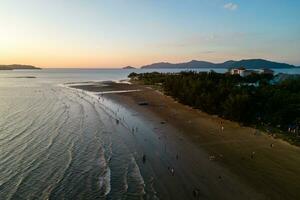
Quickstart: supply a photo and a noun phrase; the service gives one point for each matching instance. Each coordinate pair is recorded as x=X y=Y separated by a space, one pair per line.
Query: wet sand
x=234 y=163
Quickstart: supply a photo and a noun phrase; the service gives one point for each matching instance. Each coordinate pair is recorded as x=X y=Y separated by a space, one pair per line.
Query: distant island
x=194 y=64
x=17 y=66
x=128 y=67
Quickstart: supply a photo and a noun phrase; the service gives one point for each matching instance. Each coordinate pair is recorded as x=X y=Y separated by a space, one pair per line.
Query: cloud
x=231 y=6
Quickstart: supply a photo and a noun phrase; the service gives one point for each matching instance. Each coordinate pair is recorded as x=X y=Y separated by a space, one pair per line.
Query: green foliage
x=132 y=75
x=248 y=100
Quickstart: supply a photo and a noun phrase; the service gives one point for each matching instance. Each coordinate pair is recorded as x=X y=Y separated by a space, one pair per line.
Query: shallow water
x=57 y=143
x=62 y=143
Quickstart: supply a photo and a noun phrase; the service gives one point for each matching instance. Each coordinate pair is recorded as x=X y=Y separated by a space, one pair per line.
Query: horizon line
x=140 y=66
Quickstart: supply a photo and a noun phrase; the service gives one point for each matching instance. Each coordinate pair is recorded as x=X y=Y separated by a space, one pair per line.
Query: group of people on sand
x=170 y=169
x=196 y=192
x=134 y=129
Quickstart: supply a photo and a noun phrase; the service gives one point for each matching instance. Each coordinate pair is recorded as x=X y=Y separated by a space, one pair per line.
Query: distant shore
x=269 y=166
x=17 y=66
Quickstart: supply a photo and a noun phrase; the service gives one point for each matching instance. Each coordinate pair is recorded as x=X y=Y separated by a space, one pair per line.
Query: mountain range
x=247 y=63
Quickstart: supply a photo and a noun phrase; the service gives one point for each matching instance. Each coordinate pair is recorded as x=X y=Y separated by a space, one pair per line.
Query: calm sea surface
x=58 y=143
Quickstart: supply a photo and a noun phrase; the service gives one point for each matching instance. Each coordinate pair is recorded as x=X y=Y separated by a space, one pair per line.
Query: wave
x=135 y=181
x=70 y=147
x=104 y=183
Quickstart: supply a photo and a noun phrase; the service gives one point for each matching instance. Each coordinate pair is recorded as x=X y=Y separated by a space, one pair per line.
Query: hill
x=128 y=67
x=194 y=64
x=17 y=66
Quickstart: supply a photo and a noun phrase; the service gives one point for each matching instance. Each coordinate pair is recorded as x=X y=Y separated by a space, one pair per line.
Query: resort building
x=266 y=71
x=237 y=70
x=242 y=71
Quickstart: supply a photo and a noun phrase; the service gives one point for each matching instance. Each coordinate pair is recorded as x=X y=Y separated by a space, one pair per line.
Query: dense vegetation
x=249 y=100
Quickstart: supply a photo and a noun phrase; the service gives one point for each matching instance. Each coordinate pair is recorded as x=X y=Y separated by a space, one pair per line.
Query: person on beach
x=172 y=171
x=196 y=193
x=252 y=154
x=144 y=159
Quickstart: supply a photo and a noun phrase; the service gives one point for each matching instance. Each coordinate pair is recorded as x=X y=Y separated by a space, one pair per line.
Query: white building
x=266 y=71
x=242 y=71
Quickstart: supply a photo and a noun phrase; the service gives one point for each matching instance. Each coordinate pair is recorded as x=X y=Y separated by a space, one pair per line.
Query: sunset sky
x=116 y=33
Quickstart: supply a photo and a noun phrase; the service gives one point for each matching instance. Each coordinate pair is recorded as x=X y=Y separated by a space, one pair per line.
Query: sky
x=116 y=33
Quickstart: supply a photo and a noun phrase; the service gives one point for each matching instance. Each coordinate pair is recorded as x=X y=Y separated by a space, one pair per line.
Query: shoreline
x=263 y=163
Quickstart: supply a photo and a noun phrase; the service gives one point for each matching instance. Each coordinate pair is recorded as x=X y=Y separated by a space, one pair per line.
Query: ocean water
x=57 y=143
x=77 y=75
x=61 y=143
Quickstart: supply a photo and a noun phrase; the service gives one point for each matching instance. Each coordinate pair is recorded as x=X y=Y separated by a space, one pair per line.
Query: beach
x=150 y=100
x=218 y=159
x=113 y=140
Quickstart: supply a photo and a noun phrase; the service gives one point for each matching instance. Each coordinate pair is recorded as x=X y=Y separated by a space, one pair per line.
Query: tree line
x=250 y=100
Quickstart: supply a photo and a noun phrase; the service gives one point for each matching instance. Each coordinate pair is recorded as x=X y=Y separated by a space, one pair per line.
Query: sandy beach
x=190 y=154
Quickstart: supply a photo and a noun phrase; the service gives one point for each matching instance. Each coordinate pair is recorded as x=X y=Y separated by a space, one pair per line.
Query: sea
x=62 y=143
